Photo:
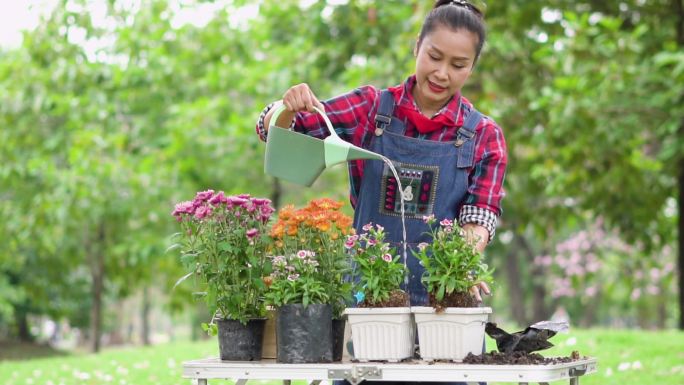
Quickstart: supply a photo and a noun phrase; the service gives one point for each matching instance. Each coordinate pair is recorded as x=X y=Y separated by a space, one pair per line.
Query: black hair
x=456 y=14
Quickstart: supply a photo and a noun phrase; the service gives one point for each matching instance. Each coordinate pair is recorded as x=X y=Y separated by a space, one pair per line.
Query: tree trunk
x=276 y=193
x=97 y=271
x=662 y=312
x=589 y=311
x=680 y=237
x=515 y=291
x=21 y=320
x=679 y=9
x=145 y=330
x=539 y=310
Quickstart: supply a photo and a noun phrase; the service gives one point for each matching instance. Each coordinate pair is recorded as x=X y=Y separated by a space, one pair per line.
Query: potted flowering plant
x=319 y=228
x=381 y=325
x=304 y=319
x=224 y=241
x=453 y=326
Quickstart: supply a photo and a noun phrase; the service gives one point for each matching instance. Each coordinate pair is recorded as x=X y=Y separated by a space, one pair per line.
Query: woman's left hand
x=477 y=290
x=480 y=236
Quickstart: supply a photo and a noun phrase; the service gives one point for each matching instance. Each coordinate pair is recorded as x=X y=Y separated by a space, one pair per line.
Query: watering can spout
x=339 y=151
x=301 y=158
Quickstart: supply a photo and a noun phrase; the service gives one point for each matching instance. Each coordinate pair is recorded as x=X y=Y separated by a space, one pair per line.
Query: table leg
x=574 y=380
x=287 y=382
x=241 y=381
x=315 y=382
x=201 y=381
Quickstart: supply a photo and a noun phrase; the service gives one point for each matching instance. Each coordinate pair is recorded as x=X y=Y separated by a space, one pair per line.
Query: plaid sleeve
x=485 y=182
x=347 y=113
x=479 y=216
x=260 y=129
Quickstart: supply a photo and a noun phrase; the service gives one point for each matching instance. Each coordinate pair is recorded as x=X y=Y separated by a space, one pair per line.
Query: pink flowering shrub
x=451 y=262
x=224 y=241
x=592 y=272
x=297 y=279
x=377 y=267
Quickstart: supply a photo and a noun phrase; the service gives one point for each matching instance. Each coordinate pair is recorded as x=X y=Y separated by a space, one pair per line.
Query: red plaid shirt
x=353 y=117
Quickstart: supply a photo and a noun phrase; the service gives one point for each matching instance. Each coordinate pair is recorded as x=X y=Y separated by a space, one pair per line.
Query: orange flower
x=319 y=222
x=325 y=204
x=323 y=226
x=286 y=213
x=278 y=229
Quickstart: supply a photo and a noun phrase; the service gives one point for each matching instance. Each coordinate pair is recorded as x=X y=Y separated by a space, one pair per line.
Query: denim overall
x=434 y=177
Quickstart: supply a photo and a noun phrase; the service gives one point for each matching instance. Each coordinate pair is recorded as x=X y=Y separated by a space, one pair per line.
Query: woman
x=451 y=159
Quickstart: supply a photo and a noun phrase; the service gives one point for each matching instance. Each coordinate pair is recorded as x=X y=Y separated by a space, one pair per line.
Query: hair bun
x=460 y=3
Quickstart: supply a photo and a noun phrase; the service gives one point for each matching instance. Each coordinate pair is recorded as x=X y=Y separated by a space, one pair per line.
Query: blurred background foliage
x=108 y=119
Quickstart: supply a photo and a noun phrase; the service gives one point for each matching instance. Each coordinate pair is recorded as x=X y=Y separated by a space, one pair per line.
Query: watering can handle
x=282 y=107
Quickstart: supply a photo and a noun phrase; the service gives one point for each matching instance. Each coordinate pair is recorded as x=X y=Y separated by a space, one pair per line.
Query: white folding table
x=355 y=372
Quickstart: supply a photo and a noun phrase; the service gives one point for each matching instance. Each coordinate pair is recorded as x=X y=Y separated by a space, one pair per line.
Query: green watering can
x=300 y=158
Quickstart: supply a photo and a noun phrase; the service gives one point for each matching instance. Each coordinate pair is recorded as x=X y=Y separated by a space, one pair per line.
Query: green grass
x=625 y=357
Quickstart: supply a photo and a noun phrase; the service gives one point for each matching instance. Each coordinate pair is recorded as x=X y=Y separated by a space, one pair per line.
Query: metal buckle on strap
x=381 y=121
x=463 y=136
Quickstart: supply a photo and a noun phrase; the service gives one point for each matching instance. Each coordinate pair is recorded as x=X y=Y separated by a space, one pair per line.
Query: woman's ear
x=416 y=47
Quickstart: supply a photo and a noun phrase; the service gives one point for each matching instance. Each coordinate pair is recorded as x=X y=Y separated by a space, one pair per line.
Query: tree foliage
x=109 y=120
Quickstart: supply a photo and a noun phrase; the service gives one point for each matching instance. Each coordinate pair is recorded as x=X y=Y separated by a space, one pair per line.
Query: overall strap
x=383 y=116
x=464 y=138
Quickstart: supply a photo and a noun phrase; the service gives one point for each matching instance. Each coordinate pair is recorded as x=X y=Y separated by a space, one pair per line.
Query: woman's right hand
x=300 y=98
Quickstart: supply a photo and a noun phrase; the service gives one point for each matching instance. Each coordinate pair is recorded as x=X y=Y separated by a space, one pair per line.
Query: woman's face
x=444 y=61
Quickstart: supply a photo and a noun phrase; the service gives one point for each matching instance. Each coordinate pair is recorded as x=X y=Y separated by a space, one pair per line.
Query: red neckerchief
x=407 y=109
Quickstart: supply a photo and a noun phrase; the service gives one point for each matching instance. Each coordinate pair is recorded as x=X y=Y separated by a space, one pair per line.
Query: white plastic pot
x=381 y=334
x=452 y=334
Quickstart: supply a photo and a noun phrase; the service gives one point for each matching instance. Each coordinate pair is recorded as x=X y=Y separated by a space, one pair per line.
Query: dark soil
x=453 y=300
x=398 y=298
x=518 y=358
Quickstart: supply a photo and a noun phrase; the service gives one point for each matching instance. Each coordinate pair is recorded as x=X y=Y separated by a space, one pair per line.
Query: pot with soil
x=382 y=327
x=240 y=342
x=338 y=326
x=450 y=333
x=453 y=326
x=304 y=334
x=382 y=333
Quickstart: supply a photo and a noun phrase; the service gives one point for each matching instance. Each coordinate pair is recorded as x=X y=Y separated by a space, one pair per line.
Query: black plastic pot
x=238 y=342
x=338 y=339
x=304 y=335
